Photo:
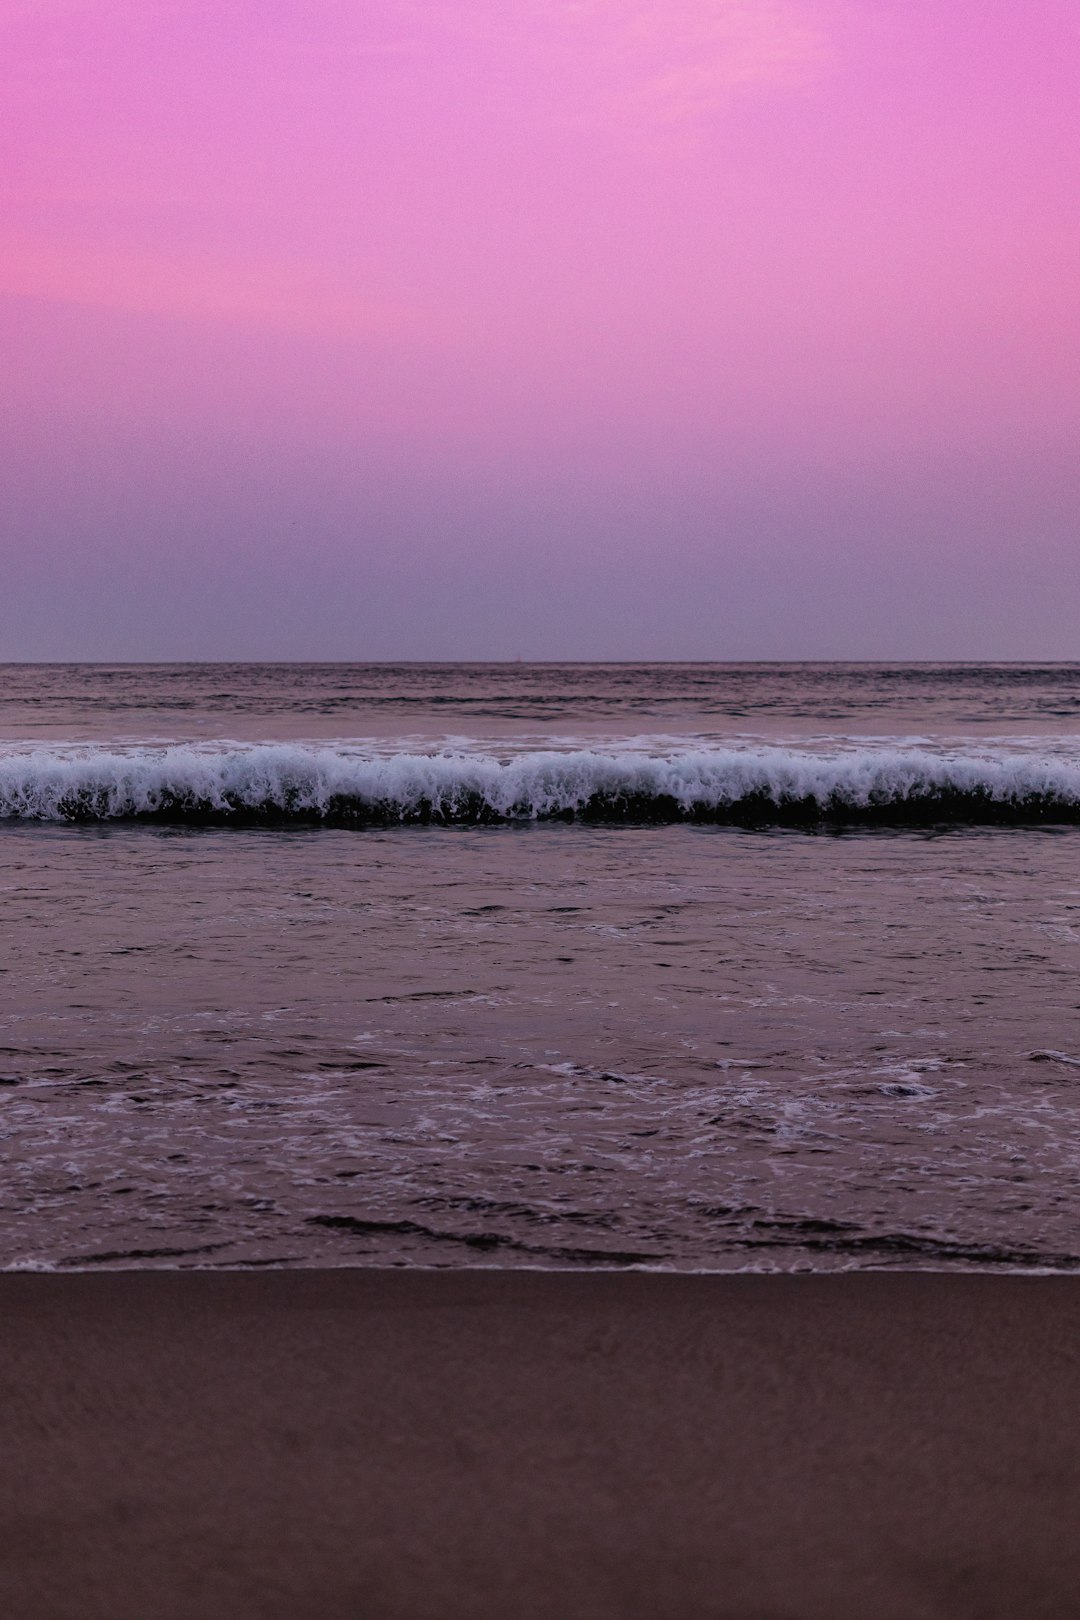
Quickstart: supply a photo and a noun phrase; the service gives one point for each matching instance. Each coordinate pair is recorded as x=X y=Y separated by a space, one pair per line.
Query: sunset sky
x=540 y=328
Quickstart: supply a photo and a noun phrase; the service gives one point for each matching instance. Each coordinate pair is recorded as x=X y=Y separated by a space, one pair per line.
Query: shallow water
x=542 y=1044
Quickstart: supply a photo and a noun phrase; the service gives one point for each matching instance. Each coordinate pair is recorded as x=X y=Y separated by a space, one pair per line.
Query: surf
x=279 y=784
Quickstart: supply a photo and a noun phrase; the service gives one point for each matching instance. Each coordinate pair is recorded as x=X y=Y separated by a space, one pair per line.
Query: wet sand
x=538 y=1446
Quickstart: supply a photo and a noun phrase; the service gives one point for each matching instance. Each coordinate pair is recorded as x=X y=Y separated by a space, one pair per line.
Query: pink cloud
x=193 y=285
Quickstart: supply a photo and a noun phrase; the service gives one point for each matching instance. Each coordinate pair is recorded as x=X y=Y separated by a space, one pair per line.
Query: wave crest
x=291 y=785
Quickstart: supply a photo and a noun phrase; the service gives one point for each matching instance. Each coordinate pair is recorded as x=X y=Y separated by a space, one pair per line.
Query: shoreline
x=525 y=1444
x=295 y=1266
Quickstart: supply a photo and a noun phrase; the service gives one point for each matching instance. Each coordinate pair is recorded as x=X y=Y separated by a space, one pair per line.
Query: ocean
x=684 y=966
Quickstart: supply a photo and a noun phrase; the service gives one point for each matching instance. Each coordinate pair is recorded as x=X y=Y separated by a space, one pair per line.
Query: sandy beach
x=531 y=1445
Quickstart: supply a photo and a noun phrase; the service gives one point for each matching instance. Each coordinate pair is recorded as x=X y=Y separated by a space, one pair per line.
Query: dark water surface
x=541 y=1042
x=281 y=701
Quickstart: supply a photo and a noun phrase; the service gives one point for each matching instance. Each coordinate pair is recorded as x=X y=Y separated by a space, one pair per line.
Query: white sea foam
x=224 y=783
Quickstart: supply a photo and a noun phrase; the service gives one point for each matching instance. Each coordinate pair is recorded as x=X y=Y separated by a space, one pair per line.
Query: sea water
x=686 y=966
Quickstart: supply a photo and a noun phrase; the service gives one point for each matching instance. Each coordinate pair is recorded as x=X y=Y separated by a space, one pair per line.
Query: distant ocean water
x=692 y=966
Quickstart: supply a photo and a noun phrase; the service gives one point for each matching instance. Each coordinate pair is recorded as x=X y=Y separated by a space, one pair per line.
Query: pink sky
x=661 y=328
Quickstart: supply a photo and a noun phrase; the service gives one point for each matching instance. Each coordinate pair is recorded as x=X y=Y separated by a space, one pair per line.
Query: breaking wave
x=276 y=785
